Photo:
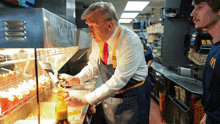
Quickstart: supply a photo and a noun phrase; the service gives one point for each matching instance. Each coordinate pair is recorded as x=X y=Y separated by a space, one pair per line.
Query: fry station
x=31 y=55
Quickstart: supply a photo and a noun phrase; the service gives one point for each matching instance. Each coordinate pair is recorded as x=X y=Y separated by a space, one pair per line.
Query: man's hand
x=203 y=121
x=68 y=80
x=91 y=110
x=76 y=101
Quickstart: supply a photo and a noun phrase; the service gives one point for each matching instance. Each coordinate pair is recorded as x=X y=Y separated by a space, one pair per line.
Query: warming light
x=125 y=20
x=129 y=15
x=136 y=5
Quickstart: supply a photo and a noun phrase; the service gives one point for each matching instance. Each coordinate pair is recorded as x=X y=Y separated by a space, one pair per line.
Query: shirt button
x=105 y=105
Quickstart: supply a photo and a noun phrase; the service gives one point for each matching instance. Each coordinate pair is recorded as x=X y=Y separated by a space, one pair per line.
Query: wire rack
x=28 y=54
x=7 y=106
x=21 y=60
x=13 y=81
x=24 y=55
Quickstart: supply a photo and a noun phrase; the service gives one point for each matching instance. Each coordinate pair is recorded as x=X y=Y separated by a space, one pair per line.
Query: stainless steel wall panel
x=41 y=29
x=84 y=40
x=58 y=32
x=33 y=27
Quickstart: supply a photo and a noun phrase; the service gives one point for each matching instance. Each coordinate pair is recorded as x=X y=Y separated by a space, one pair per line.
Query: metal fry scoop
x=49 y=69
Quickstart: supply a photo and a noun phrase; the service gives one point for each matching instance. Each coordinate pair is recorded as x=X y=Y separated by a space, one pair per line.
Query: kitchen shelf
x=139 y=30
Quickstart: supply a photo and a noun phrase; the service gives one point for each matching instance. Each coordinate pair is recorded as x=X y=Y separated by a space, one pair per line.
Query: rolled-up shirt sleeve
x=91 y=69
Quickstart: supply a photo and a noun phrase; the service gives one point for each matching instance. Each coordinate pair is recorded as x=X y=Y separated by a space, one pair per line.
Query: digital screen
x=140 y=25
x=23 y=3
x=136 y=25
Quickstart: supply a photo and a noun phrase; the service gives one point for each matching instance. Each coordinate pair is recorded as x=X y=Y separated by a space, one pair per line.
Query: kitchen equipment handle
x=180 y=104
x=54 y=79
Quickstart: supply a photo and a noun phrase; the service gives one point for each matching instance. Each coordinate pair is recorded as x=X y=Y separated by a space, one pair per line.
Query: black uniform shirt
x=211 y=83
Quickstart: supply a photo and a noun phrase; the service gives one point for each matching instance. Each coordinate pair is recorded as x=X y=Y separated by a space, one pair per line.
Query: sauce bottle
x=61 y=110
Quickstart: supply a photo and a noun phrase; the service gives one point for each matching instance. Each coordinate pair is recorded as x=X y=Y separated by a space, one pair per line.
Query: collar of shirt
x=111 y=40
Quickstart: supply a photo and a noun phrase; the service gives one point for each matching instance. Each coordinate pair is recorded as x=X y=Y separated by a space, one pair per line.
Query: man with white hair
x=117 y=55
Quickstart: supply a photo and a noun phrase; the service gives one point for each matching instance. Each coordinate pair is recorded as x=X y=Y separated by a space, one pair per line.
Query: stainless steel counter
x=190 y=84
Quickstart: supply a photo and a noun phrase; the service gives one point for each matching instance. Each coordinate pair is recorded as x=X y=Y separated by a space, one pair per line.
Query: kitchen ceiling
x=120 y=5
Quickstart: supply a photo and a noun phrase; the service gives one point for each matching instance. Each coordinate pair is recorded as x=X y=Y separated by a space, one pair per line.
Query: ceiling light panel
x=129 y=15
x=136 y=5
x=125 y=20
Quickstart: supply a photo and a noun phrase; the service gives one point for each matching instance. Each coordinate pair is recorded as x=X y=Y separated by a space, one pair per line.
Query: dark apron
x=210 y=120
x=129 y=107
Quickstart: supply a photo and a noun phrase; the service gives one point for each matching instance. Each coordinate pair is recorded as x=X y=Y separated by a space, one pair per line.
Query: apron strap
x=114 y=49
x=134 y=86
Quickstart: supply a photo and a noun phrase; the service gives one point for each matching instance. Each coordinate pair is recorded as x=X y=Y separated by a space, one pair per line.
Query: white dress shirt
x=130 y=64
